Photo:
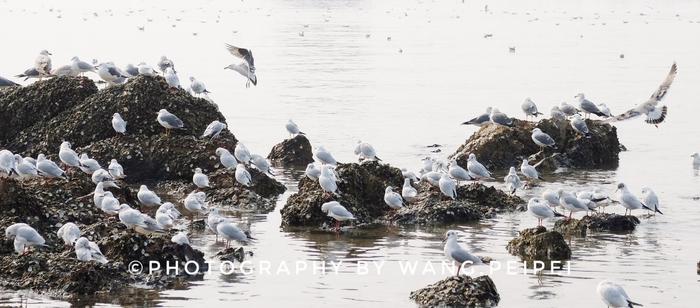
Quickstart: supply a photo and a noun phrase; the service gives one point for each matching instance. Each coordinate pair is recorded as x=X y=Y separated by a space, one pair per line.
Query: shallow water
x=340 y=86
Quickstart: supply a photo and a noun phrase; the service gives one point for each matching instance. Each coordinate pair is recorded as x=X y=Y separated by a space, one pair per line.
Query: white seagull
x=614 y=295
x=118 y=124
x=213 y=129
x=655 y=114
x=456 y=253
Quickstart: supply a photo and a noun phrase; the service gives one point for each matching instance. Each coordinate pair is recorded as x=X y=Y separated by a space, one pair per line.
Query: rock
x=361 y=188
x=39 y=102
x=458 y=291
x=538 y=244
x=475 y=201
x=233 y=254
x=293 y=152
x=227 y=188
x=500 y=147
x=597 y=222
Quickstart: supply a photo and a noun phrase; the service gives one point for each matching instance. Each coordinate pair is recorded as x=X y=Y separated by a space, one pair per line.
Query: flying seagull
x=245 y=68
x=655 y=114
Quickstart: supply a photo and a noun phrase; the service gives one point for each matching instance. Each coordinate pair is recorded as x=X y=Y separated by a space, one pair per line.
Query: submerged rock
x=538 y=244
x=458 y=291
x=597 y=222
x=295 y=152
x=500 y=147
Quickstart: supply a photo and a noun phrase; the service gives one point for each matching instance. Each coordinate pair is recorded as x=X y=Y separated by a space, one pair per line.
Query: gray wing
x=461 y=256
x=502 y=118
x=665 y=85
x=589 y=106
x=172 y=120
x=580 y=126
x=114 y=72
x=656 y=115
x=84 y=65
x=650 y=104
x=242 y=53
x=4 y=82
x=132 y=70
x=341 y=211
x=545 y=139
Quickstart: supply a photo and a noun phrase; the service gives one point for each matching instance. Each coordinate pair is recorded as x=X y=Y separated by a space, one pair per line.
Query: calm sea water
x=345 y=80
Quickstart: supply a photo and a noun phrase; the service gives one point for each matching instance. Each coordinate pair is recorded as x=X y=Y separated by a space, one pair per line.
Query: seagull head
x=117 y=116
x=388 y=189
x=621 y=186
x=75 y=59
x=65 y=145
x=451 y=234
x=162 y=111
x=143 y=187
x=512 y=170
x=197 y=170
x=192 y=79
x=646 y=190
x=695 y=155
x=40 y=157
x=328 y=205
x=488 y=109
x=579 y=96
x=472 y=157
x=45 y=52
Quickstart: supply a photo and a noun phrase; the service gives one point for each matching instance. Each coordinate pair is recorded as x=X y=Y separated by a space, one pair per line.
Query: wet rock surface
x=293 y=152
x=538 y=244
x=361 y=190
x=458 y=291
x=499 y=147
x=597 y=222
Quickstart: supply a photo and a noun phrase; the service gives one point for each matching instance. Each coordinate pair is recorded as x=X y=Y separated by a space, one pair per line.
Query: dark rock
x=500 y=147
x=39 y=102
x=361 y=188
x=292 y=152
x=228 y=189
x=597 y=222
x=458 y=291
x=232 y=254
x=538 y=244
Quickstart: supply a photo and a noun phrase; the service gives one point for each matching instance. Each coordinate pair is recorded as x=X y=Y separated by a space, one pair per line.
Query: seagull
x=226 y=158
x=29 y=73
x=409 y=175
x=529 y=108
x=456 y=253
x=164 y=64
x=79 y=67
x=605 y=110
x=69 y=233
x=614 y=295
x=169 y=121
x=427 y=165
x=109 y=204
x=98 y=195
x=324 y=156
x=484 y=118
x=64 y=70
x=171 y=78
x=312 y=171
x=24 y=167
x=195 y=202
x=650 y=108
x=241 y=153
x=67 y=155
x=42 y=64
x=88 y=165
x=131 y=218
x=457 y=172
x=245 y=68
x=103 y=176
x=540 y=209
x=327 y=180
x=696 y=161
x=408 y=192
x=571 y=203
x=512 y=181
x=110 y=74
x=85 y=250
x=145 y=69
x=579 y=125
x=338 y=212
x=448 y=186
x=587 y=106
x=500 y=118
x=651 y=200
x=293 y=128
x=230 y=232
x=180 y=238
x=261 y=164
x=213 y=129
x=476 y=169
x=25 y=237
x=48 y=168
x=118 y=124
x=243 y=176
x=542 y=139
x=200 y=179
x=628 y=200
x=197 y=87
x=7 y=162
x=393 y=199
x=131 y=70
x=147 y=197
x=365 y=151
x=213 y=219
x=115 y=169
x=11 y=231
x=530 y=171
x=4 y=82
x=567 y=109
x=169 y=208
x=432 y=177
x=552 y=197
x=557 y=115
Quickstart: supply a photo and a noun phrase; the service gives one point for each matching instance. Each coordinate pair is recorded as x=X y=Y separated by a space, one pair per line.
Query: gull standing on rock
x=118 y=124
x=68 y=156
x=42 y=64
x=169 y=121
x=571 y=203
x=651 y=200
x=557 y=115
x=109 y=204
x=48 y=168
x=605 y=110
x=408 y=192
x=529 y=108
x=146 y=70
x=448 y=186
x=213 y=129
x=200 y=179
x=148 y=197
x=476 y=169
x=614 y=295
x=567 y=109
x=327 y=180
x=261 y=164
x=324 y=156
x=337 y=212
x=552 y=197
x=409 y=175
x=88 y=165
x=116 y=170
x=103 y=176
x=26 y=237
x=539 y=208
x=164 y=219
x=195 y=202
x=542 y=139
x=587 y=106
x=24 y=168
x=180 y=238
x=293 y=128
x=131 y=218
x=131 y=71
x=69 y=233
x=628 y=200
x=85 y=250
x=197 y=87
x=243 y=176
x=365 y=151
x=500 y=118
x=226 y=158
x=64 y=70
x=579 y=125
x=393 y=199
x=230 y=232
x=110 y=74
x=171 y=78
x=484 y=118
x=457 y=172
x=529 y=171
x=512 y=181
x=7 y=162
x=655 y=114
x=456 y=253
x=247 y=67
x=241 y=153
x=79 y=67
x=164 y=64
x=312 y=171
